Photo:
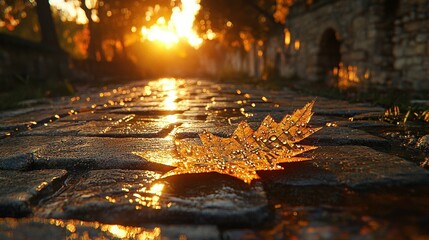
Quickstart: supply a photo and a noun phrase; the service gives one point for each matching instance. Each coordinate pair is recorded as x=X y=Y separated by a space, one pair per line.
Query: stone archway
x=329 y=55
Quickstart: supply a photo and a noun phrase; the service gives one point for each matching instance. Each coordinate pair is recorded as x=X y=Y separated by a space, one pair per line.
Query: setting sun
x=178 y=28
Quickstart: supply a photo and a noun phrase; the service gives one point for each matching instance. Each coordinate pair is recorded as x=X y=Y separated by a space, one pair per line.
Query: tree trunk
x=47 y=27
x=91 y=27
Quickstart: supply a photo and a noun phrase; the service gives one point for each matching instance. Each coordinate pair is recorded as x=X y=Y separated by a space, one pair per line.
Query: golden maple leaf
x=245 y=152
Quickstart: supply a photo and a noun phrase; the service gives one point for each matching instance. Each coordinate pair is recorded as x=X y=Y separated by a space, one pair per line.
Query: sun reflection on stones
x=171 y=118
x=93 y=230
x=133 y=232
x=151 y=201
x=166 y=157
x=140 y=196
x=37 y=228
x=170 y=101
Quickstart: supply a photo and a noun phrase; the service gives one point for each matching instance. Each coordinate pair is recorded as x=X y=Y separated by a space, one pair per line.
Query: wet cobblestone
x=73 y=159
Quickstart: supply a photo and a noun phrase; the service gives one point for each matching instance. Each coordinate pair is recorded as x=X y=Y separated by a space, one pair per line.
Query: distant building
x=359 y=43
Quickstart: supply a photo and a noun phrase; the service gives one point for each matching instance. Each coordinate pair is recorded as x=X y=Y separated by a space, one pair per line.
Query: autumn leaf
x=245 y=152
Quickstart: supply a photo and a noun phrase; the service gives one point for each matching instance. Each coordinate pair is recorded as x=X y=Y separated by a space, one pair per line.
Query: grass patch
x=20 y=88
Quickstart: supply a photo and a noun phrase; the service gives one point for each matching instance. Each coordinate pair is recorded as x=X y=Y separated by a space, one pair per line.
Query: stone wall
x=411 y=44
x=379 y=42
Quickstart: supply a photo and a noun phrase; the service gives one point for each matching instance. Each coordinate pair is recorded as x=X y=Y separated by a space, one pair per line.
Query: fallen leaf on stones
x=245 y=152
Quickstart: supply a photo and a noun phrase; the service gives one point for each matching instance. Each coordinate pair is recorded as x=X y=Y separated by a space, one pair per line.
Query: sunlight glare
x=156 y=189
x=171 y=118
x=178 y=28
x=149 y=201
x=168 y=85
x=70 y=10
x=125 y=232
x=118 y=231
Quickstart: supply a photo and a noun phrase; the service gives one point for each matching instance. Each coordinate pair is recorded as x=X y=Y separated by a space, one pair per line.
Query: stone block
x=345 y=111
x=18 y=190
x=149 y=111
x=78 y=152
x=18 y=153
x=398 y=51
x=133 y=197
x=191 y=130
x=422 y=38
x=365 y=124
x=124 y=127
x=420 y=48
x=335 y=136
x=363 y=44
x=412 y=27
x=399 y=63
x=421 y=84
x=356 y=56
x=357 y=167
x=24 y=118
x=405 y=19
x=415 y=73
x=359 y=24
x=372 y=33
x=94 y=116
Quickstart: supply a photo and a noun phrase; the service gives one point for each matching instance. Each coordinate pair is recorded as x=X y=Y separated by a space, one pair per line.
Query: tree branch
x=262 y=11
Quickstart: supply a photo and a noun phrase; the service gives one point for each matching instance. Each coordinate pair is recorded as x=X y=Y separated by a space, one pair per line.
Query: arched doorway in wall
x=329 y=55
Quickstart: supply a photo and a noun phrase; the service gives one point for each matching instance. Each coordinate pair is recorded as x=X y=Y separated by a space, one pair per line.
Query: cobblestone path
x=68 y=169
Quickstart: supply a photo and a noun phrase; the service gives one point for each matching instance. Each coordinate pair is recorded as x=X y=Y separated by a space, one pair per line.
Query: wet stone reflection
x=72 y=229
x=133 y=196
x=152 y=202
